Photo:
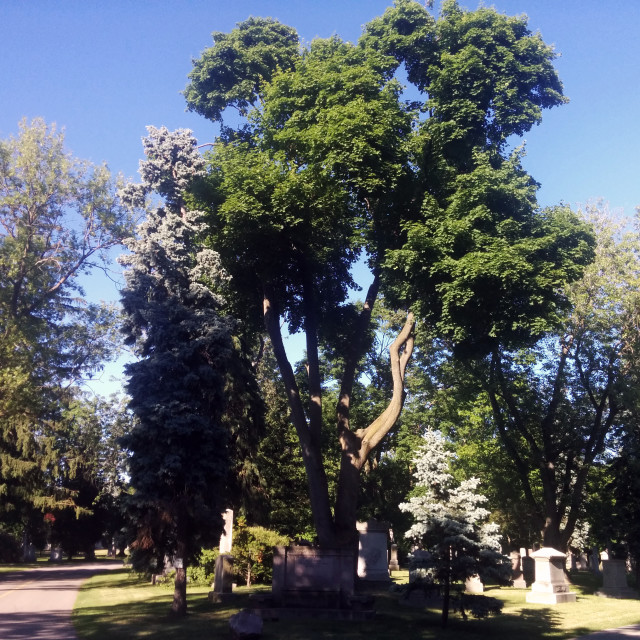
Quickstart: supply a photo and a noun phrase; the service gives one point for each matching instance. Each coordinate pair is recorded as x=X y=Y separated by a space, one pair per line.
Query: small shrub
x=9 y=548
x=203 y=570
x=253 y=552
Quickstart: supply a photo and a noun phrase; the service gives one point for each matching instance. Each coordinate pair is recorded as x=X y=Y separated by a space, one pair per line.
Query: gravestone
x=474 y=585
x=572 y=561
x=393 y=560
x=583 y=562
x=614 y=580
x=55 y=555
x=527 y=564
x=373 y=563
x=222 y=578
x=550 y=586
x=245 y=625
x=419 y=561
x=313 y=577
x=226 y=539
x=516 y=571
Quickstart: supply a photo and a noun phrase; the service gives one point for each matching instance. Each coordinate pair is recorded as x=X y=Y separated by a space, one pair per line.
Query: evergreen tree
x=451 y=523
x=178 y=444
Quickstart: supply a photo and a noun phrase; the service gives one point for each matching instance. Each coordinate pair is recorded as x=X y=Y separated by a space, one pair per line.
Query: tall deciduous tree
x=179 y=459
x=555 y=406
x=59 y=216
x=332 y=166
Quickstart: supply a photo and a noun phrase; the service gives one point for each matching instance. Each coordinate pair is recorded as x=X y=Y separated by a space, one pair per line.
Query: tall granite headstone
x=614 y=580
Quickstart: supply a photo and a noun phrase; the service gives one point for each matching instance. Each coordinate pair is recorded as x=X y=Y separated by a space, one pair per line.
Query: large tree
x=557 y=407
x=173 y=317
x=332 y=166
x=59 y=216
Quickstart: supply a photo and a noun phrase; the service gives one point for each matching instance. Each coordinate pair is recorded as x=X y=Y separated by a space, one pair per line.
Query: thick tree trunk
x=309 y=445
x=356 y=446
x=179 y=604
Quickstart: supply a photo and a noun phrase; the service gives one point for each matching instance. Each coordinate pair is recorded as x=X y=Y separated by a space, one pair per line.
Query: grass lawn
x=119 y=605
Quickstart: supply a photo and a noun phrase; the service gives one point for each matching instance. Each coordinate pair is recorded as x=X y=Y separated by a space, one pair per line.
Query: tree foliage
x=450 y=522
x=333 y=165
x=179 y=460
x=59 y=216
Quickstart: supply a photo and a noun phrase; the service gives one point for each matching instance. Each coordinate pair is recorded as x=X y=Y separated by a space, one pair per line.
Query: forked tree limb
x=400 y=352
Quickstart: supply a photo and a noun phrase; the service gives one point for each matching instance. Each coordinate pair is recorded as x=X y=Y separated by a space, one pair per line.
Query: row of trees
x=59 y=217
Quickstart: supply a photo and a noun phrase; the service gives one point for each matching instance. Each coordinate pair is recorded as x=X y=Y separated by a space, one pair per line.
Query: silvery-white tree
x=451 y=523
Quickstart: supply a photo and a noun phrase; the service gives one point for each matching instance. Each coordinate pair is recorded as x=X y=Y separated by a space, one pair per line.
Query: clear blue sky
x=106 y=69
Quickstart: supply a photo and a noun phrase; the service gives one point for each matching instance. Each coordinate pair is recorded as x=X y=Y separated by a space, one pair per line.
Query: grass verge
x=120 y=605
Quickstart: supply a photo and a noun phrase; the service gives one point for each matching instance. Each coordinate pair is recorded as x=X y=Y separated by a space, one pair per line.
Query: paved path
x=632 y=631
x=36 y=604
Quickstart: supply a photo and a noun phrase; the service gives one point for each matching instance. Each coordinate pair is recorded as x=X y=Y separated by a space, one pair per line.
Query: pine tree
x=179 y=455
x=451 y=523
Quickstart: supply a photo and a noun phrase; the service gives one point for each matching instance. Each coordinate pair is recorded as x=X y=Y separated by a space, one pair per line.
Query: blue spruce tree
x=174 y=320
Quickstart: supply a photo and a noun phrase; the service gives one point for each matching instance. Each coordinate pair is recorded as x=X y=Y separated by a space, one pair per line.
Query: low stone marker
x=373 y=564
x=245 y=626
x=474 y=585
x=614 y=580
x=551 y=586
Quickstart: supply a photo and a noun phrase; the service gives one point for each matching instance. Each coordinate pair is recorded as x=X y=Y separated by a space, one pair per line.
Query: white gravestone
x=226 y=539
x=373 y=562
x=474 y=585
x=551 y=586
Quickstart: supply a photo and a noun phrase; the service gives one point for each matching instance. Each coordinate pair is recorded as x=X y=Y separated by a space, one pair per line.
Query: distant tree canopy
x=332 y=165
x=58 y=218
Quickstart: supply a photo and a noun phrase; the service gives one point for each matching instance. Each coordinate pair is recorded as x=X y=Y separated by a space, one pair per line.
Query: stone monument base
x=542 y=597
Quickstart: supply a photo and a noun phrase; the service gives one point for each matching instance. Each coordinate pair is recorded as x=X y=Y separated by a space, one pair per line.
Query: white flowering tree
x=451 y=523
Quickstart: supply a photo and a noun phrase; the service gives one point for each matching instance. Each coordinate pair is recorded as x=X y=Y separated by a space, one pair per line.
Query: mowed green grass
x=120 y=605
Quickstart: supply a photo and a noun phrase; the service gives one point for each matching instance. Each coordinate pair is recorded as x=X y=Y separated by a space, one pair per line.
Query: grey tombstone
x=528 y=566
x=226 y=539
x=373 y=563
x=393 y=560
x=245 y=625
x=614 y=580
x=551 y=586
x=222 y=578
x=312 y=577
x=474 y=585
x=583 y=563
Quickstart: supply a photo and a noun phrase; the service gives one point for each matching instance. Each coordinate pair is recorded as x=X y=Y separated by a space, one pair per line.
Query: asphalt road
x=36 y=604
